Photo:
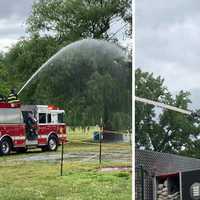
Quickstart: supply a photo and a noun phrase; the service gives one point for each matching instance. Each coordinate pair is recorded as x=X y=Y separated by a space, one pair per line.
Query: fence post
x=61 y=162
x=142 y=182
x=130 y=139
x=100 y=147
x=100 y=142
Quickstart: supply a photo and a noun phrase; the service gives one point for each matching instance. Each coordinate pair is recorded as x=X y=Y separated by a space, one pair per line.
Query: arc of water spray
x=35 y=74
x=43 y=66
x=48 y=61
x=162 y=105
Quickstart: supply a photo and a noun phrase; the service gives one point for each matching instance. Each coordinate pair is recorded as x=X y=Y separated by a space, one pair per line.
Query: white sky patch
x=9 y=24
x=5 y=44
x=118 y=29
x=10 y=31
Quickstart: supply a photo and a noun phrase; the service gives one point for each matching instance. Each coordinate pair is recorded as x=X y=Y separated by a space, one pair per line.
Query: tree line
x=52 y=25
x=164 y=130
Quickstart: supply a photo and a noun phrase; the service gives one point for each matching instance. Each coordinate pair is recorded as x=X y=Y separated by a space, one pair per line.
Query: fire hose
x=169 y=107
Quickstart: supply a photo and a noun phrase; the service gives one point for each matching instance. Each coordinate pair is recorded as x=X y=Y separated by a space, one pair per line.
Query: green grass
x=80 y=135
x=31 y=181
x=41 y=180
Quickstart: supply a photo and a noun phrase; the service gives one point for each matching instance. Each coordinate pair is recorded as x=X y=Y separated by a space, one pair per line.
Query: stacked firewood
x=163 y=194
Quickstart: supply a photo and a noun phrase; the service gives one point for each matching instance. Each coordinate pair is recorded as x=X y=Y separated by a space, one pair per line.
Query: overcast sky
x=168 y=43
x=13 y=15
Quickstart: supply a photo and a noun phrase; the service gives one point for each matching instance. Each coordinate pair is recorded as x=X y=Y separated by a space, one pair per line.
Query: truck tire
x=52 y=143
x=5 y=146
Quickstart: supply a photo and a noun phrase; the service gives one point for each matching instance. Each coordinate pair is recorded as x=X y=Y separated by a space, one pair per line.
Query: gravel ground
x=122 y=156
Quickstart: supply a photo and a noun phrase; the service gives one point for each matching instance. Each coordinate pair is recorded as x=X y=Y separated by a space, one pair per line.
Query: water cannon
x=53 y=107
x=169 y=107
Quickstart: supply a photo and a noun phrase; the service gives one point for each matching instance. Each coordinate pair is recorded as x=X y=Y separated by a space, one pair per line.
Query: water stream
x=88 y=78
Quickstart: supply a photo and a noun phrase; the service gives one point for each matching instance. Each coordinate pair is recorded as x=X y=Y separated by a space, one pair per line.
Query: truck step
x=31 y=142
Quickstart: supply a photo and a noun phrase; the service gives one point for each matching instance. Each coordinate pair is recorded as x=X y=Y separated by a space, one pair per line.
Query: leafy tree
x=52 y=25
x=4 y=86
x=89 y=83
x=27 y=56
x=152 y=88
x=165 y=131
x=107 y=98
x=75 y=19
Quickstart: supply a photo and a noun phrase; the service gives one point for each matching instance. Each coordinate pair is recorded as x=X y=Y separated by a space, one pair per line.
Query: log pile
x=163 y=193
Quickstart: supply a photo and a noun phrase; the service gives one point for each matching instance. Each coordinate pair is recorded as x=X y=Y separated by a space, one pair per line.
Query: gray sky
x=168 y=44
x=13 y=15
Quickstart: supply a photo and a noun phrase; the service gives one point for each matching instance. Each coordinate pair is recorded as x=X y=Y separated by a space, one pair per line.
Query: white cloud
x=10 y=31
x=5 y=44
x=13 y=15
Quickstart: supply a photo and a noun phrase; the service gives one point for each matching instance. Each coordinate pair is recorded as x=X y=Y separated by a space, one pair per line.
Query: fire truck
x=49 y=130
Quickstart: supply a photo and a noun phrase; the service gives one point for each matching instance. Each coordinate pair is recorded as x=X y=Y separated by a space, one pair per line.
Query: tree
x=89 y=83
x=54 y=24
x=152 y=88
x=165 y=130
x=75 y=19
x=27 y=56
x=4 y=86
x=107 y=98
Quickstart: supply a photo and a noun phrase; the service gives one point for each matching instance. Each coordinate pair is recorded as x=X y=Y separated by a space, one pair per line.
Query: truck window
x=42 y=118
x=49 y=118
x=54 y=118
x=61 y=118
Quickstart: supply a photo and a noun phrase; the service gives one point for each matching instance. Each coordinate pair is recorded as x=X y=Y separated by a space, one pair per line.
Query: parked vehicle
x=47 y=133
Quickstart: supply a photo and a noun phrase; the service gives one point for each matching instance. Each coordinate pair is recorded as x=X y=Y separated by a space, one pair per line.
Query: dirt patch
x=111 y=169
x=80 y=156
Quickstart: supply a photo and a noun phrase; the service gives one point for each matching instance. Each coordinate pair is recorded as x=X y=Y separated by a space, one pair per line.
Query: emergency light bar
x=52 y=107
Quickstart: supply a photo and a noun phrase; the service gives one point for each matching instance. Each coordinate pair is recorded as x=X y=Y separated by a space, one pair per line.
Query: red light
x=52 y=107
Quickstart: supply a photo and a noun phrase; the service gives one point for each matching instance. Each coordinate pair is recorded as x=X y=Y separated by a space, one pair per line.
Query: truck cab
x=48 y=130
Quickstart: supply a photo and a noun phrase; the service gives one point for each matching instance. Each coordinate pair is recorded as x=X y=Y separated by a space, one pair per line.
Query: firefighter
x=31 y=124
x=12 y=97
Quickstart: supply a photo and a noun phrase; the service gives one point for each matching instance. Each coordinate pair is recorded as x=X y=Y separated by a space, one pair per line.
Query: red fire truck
x=50 y=129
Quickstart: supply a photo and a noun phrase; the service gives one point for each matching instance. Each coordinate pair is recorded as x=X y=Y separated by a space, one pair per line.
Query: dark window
x=61 y=118
x=49 y=118
x=42 y=118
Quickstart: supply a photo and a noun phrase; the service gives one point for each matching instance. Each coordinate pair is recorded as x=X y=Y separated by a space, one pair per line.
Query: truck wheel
x=5 y=147
x=52 y=143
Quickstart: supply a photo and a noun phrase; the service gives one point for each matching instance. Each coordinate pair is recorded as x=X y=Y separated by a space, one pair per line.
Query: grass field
x=40 y=179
